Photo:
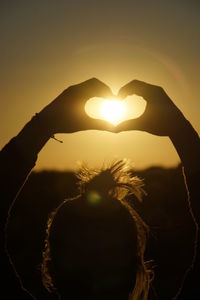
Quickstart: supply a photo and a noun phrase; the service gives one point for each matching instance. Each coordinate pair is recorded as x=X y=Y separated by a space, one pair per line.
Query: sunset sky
x=48 y=45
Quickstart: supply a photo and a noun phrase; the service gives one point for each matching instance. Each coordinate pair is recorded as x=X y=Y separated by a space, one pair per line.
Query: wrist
x=34 y=135
x=187 y=143
x=182 y=127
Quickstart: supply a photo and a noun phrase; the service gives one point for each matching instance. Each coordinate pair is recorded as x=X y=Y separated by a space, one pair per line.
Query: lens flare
x=93 y=197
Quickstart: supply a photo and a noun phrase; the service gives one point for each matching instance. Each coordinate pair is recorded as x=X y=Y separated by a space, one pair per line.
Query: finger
x=95 y=88
x=97 y=124
x=133 y=124
x=139 y=88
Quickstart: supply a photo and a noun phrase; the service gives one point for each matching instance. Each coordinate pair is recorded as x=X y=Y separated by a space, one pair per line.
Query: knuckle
x=161 y=90
x=94 y=80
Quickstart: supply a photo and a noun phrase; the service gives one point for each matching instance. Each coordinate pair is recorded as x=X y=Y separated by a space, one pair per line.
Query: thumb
x=98 y=124
x=133 y=124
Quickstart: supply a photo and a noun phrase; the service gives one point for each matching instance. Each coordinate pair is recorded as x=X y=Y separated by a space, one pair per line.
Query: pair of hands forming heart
x=66 y=114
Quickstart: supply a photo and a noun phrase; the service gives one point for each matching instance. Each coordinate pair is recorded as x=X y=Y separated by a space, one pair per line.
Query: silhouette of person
x=96 y=241
x=124 y=250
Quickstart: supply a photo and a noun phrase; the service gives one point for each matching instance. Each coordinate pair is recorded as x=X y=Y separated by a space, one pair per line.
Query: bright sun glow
x=113 y=111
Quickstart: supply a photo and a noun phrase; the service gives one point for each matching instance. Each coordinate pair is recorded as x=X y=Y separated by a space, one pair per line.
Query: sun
x=113 y=111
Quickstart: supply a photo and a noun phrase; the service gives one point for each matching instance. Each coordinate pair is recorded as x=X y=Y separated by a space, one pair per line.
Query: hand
x=66 y=114
x=161 y=116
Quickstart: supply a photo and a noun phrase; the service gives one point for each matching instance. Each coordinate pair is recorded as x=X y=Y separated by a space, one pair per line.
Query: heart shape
x=115 y=111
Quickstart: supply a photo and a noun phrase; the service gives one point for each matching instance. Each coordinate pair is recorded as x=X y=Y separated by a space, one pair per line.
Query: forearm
x=18 y=158
x=187 y=143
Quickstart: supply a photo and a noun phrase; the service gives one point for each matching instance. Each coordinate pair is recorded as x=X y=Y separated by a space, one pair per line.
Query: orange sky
x=47 y=46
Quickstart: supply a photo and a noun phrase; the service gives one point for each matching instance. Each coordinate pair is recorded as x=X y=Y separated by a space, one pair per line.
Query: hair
x=103 y=191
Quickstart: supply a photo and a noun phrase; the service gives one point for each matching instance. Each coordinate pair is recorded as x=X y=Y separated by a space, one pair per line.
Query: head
x=95 y=242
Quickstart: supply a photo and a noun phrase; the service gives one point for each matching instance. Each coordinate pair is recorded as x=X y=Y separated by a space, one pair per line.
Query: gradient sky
x=48 y=45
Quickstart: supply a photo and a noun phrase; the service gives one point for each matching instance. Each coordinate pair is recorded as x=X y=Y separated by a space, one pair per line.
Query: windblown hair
x=117 y=182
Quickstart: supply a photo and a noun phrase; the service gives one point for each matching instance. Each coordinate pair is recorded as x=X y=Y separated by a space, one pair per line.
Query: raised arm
x=65 y=114
x=163 y=118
